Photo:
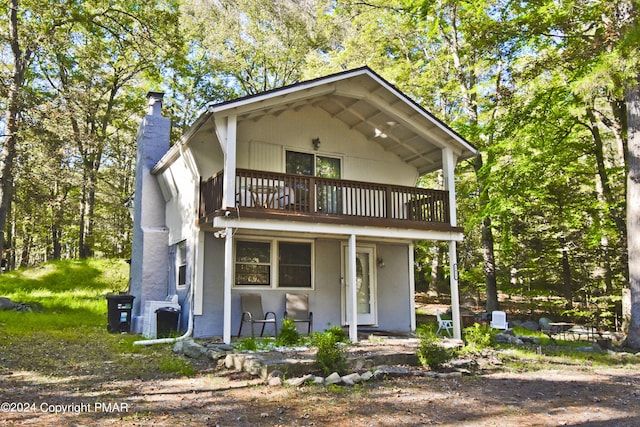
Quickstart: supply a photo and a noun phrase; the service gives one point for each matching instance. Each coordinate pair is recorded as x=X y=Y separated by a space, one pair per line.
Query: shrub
x=478 y=337
x=430 y=352
x=289 y=335
x=330 y=356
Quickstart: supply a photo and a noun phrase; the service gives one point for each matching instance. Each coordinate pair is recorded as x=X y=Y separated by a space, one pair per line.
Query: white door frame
x=372 y=318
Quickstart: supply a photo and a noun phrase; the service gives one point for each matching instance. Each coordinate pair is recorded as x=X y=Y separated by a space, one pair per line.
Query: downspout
x=189 y=332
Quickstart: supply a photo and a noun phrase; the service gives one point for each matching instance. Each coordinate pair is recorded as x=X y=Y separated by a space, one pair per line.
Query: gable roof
x=366 y=103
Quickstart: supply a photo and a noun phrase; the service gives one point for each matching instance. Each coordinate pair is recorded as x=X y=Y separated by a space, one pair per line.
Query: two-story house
x=311 y=189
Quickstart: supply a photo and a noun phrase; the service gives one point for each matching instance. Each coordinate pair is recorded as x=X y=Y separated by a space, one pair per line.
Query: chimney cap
x=155 y=96
x=154 y=100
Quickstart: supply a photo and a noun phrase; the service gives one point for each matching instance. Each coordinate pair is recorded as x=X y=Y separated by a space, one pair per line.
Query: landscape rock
x=274 y=381
x=366 y=376
x=194 y=350
x=543 y=322
x=334 y=378
x=507 y=338
x=6 y=304
x=216 y=355
x=385 y=371
x=531 y=325
x=351 y=379
x=295 y=382
x=529 y=339
x=464 y=364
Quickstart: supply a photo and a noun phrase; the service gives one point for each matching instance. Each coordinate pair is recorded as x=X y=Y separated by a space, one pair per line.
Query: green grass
x=68 y=331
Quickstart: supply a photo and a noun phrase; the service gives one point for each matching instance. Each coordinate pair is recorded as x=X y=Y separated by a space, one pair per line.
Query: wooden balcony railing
x=301 y=195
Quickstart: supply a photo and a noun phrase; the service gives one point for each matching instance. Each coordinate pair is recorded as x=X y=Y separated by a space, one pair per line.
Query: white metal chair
x=444 y=324
x=252 y=312
x=297 y=309
x=499 y=320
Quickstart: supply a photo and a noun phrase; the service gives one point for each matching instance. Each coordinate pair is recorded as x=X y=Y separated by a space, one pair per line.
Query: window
x=328 y=195
x=312 y=165
x=294 y=265
x=283 y=264
x=181 y=263
x=253 y=263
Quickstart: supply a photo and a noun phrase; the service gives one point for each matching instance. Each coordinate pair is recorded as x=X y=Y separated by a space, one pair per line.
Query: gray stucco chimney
x=149 y=249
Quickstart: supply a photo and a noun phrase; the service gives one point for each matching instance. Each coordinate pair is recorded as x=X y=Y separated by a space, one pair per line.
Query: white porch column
x=455 y=300
x=229 y=182
x=412 y=288
x=448 y=168
x=352 y=295
x=228 y=280
x=449 y=160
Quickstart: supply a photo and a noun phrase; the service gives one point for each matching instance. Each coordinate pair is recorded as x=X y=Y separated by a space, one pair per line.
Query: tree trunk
x=567 y=287
x=435 y=265
x=489 y=262
x=8 y=153
x=633 y=214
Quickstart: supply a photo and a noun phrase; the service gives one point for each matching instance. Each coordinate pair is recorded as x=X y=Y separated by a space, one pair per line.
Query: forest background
x=546 y=89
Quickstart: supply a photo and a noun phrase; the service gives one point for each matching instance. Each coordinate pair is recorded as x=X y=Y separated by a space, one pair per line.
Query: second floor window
x=313 y=165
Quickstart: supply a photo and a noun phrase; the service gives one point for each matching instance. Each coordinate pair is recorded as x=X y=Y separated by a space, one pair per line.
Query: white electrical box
x=150 y=317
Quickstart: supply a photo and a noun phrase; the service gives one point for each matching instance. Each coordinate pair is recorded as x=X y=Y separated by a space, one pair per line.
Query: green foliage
x=330 y=355
x=478 y=337
x=289 y=335
x=71 y=330
x=430 y=352
x=247 y=344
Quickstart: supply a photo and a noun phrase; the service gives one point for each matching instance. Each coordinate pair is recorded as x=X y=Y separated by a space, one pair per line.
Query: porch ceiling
x=367 y=104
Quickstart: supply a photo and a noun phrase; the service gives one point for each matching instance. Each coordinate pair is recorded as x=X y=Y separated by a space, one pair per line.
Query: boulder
x=334 y=378
x=531 y=325
x=6 y=304
x=194 y=350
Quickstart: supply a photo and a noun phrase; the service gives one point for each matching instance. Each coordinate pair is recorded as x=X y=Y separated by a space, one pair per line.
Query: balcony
x=290 y=197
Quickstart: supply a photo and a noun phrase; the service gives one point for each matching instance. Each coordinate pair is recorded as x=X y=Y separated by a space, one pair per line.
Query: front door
x=365 y=285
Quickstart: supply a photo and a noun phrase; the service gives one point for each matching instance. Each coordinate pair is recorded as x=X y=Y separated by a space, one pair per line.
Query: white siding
x=180 y=209
x=262 y=143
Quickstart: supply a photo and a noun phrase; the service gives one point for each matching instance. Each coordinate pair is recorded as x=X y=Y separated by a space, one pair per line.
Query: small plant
x=430 y=352
x=478 y=337
x=330 y=356
x=247 y=344
x=289 y=335
x=338 y=333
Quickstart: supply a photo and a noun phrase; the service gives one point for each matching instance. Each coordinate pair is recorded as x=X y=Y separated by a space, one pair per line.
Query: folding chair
x=444 y=324
x=297 y=309
x=252 y=312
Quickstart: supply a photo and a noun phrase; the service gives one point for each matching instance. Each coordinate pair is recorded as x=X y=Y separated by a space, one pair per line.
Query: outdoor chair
x=499 y=320
x=444 y=324
x=252 y=312
x=297 y=309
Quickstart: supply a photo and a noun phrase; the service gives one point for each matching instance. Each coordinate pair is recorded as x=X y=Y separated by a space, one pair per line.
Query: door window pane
x=253 y=263
x=299 y=163
x=327 y=167
x=294 y=265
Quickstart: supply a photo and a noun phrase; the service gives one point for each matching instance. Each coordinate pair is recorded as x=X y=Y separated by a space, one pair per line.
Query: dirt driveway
x=555 y=394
